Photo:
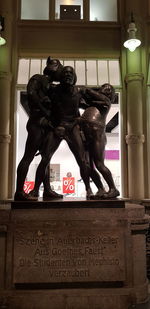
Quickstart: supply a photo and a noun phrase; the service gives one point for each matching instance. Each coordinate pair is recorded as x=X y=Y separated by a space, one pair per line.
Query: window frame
x=86 y=14
x=75 y=60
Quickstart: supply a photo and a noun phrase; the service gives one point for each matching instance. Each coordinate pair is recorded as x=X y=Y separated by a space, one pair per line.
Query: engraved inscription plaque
x=61 y=253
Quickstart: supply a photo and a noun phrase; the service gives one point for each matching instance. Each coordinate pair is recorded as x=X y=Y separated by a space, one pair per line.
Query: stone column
x=6 y=10
x=135 y=137
x=135 y=72
x=4 y=134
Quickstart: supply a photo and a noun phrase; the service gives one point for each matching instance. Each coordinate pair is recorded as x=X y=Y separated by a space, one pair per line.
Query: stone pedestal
x=73 y=254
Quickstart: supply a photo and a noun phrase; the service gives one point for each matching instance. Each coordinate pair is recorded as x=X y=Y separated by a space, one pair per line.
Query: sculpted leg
x=51 y=144
x=97 y=181
x=48 y=192
x=32 y=145
x=76 y=146
x=98 y=157
x=113 y=192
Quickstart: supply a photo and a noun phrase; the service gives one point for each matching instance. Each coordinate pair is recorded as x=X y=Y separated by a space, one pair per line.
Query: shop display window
x=35 y=9
x=99 y=10
x=72 y=6
x=103 y=10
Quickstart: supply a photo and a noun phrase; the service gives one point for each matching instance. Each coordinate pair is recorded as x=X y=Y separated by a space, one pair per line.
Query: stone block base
x=73 y=254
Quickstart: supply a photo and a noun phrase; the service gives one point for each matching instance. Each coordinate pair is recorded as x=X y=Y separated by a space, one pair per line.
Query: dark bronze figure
x=66 y=99
x=54 y=115
x=93 y=124
x=38 y=125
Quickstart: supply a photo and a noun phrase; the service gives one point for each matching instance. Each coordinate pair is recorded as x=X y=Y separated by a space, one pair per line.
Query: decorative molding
x=135 y=139
x=5 y=138
x=134 y=77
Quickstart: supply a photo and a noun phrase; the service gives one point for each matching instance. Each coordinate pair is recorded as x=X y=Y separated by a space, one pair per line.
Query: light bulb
x=132 y=44
x=2 y=41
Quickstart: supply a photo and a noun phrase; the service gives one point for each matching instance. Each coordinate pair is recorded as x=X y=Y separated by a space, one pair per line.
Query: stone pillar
x=135 y=137
x=134 y=71
x=6 y=10
x=5 y=81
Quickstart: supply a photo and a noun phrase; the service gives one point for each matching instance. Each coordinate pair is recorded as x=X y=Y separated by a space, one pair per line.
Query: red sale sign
x=68 y=185
x=28 y=186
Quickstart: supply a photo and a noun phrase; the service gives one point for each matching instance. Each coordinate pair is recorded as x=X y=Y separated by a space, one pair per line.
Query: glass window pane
x=91 y=73
x=69 y=63
x=35 y=9
x=102 y=72
x=114 y=72
x=22 y=119
x=43 y=64
x=67 y=2
x=23 y=71
x=80 y=71
x=35 y=67
x=101 y=10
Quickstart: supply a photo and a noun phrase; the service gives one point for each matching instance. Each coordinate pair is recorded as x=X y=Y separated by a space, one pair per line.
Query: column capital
x=134 y=77
x=135 y=139
x=5 y=138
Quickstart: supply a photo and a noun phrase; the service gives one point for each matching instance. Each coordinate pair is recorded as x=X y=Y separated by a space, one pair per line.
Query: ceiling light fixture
x=2 y=40
x=132 y=43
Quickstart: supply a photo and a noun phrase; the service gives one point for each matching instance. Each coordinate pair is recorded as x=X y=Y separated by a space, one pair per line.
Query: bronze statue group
x=54 y=116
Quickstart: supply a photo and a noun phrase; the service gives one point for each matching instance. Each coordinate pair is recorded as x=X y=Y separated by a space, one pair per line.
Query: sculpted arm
x=38 y=99
x=95 y=98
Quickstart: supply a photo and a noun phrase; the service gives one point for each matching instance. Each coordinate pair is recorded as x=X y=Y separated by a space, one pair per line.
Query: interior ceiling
x=112 y=118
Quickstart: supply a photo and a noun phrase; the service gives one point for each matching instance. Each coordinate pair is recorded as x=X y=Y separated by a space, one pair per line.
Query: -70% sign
x=68 y=185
